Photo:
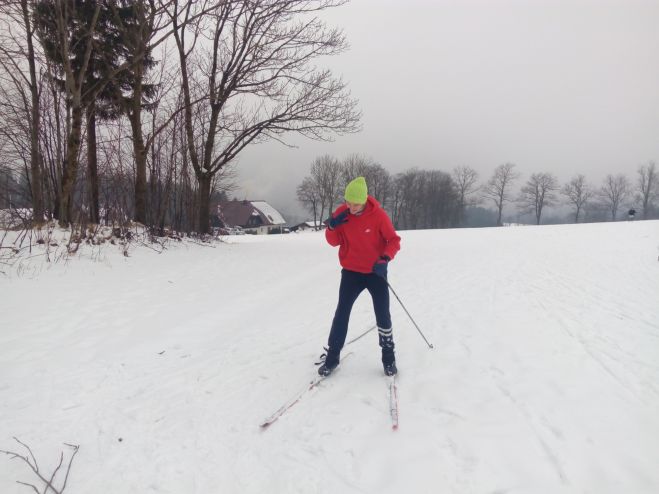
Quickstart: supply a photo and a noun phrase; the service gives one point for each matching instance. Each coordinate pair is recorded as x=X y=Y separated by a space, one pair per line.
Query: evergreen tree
x=90 y=47
x=135 y=22
x=69 y=30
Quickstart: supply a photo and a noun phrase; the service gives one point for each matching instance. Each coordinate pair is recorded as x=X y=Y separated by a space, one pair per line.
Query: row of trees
x=118 y=110
x=414 y=199
x=435 y=199
x=542 y=190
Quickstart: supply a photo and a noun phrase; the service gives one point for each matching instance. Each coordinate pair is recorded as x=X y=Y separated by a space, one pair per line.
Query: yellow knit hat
x=356 y=191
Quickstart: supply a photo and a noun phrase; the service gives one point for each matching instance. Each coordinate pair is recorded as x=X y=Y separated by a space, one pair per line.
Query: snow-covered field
x=544 y=377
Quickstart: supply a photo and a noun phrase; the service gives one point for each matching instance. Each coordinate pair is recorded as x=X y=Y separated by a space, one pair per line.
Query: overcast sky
x=562 y=86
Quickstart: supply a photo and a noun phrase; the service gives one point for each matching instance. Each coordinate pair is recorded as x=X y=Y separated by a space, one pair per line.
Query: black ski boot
x=390 y=369
x=328 y=362
x=386 y=341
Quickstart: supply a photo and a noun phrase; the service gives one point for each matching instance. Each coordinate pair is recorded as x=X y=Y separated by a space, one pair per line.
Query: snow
x=271 y=213
x=544 y=377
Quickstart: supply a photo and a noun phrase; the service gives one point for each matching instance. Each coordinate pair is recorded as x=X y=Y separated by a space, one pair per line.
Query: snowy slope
x=544 y=377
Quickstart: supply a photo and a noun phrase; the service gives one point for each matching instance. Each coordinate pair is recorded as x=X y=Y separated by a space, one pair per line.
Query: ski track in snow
x=161 y=366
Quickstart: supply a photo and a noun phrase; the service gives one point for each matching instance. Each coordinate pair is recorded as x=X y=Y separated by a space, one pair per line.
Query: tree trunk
x=73 y=83
x=92 y=165
x=140 y=169
x=139 y=150
x=204 y=202
x=35 y=156
x=71 y=166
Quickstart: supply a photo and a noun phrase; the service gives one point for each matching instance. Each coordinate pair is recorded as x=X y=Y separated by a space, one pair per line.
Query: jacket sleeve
x=391 y=238
x=333 y=237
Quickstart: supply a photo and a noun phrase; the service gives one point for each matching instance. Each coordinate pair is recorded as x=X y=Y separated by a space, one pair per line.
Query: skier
x=367 y=243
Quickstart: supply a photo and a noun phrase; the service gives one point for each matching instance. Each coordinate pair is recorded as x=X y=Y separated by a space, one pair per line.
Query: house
x=257 y=217
x=308 y=226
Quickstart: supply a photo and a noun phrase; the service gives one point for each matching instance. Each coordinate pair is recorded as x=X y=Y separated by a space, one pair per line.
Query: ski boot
x=328 y=362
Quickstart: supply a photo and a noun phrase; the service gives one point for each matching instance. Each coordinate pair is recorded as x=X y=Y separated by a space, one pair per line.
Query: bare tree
x=379 y=185
x=116 y=175
x=52 y=138
x=14 y=144
x=578 y=193
x=320 y=190
x=355 y=165
x=424 y=199
x=15 y=51
x=613 y=192
x=48 y=480
x=325 y=174
x=14 y=193
x=308 y=195
x=256 y=79
x=537 y=193
x=498 y=187
x=396 y=200
x=377 y=178
x=440 y=199
x=146 y=28
x=407 y=202
x=647 y=187
x=417 y=198
x=465 y=179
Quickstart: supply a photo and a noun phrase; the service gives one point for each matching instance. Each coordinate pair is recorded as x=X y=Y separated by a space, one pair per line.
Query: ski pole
x=430 y=345
x=361 y=335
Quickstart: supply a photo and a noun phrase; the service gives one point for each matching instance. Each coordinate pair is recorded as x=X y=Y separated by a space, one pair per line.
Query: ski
x=297 y=397
x=393 y=401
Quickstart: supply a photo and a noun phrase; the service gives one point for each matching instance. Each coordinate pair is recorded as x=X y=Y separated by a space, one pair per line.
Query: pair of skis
x=391 y=387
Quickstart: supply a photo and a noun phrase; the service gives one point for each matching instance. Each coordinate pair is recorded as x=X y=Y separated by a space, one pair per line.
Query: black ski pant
x=352 y=284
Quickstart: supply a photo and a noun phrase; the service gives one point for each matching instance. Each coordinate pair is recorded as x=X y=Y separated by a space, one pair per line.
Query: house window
x=254 y=221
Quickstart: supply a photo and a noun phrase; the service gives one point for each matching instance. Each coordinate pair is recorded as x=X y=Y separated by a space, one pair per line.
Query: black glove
x=338 y=220
x=380 y=266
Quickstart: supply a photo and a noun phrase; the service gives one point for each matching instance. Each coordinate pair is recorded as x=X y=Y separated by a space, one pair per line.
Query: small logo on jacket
x=368 y=230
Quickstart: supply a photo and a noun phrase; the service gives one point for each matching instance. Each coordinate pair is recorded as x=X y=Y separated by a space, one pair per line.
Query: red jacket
x=364 y=238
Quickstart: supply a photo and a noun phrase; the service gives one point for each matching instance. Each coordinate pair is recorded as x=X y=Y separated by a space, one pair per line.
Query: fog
x=553 y=86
